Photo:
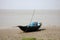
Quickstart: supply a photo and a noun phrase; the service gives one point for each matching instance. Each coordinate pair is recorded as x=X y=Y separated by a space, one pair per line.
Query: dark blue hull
x=29 y=28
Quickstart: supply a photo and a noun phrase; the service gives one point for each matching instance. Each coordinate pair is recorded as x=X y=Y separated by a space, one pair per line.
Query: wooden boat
x=29 y=28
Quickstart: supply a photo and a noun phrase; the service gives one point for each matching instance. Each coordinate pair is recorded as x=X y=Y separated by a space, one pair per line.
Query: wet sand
x=45 y=33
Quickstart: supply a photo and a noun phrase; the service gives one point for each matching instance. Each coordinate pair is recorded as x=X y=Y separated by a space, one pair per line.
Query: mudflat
x=45 y=33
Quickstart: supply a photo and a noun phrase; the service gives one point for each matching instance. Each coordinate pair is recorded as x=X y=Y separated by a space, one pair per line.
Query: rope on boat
x=32 y=16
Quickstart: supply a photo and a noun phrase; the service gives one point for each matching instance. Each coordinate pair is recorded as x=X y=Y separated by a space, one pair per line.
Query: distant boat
x=32 y=26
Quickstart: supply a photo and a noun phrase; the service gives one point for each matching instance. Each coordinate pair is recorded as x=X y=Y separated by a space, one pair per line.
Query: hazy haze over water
x=9 y=18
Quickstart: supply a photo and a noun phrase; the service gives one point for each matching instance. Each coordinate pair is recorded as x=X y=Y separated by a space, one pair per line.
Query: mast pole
x=32 y=16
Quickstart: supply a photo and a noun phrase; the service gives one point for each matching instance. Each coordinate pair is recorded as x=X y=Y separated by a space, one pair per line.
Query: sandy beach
x=45 y=33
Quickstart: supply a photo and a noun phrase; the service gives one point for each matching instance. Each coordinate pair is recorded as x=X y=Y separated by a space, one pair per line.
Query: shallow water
x=9 y=18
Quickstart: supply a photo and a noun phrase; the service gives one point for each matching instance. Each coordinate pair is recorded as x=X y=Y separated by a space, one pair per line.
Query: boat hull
x=28 y=29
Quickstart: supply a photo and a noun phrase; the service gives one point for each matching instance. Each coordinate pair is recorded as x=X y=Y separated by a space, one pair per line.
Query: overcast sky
x=29 y=4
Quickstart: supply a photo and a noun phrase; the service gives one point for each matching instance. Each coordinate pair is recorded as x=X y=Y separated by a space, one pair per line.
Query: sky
x=29 y=4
